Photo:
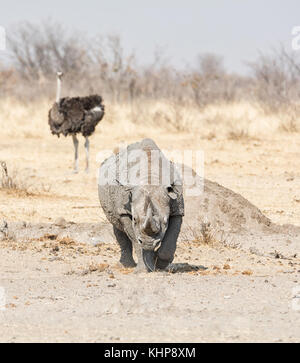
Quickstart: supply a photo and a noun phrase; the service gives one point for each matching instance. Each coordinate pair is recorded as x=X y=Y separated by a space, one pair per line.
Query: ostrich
x=71 y=116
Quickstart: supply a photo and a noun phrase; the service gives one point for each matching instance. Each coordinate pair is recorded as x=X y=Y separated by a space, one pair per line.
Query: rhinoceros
x=141 y=194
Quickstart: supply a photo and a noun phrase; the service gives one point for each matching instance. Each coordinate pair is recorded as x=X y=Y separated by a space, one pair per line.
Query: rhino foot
x=127 y=262
x=153 y=262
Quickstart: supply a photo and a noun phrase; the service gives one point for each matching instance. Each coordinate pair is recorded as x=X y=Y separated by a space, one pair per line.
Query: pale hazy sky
x=235 y=29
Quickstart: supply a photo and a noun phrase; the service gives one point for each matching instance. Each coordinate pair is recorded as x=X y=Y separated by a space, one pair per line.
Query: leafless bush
x=40 y=50
x=210 y=83
x=276 y=86
x=102 y=66
x=276 y=79
x=112 y=69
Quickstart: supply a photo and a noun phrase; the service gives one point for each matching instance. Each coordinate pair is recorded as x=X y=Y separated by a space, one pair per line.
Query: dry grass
x=235 y=121
x=16 y=182
x=202 y=235
x=206 y=235
x=238 y=135
x=290 y=121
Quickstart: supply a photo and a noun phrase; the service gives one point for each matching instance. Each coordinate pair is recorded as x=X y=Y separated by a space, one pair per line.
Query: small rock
x=51 y=259
x=60 y=222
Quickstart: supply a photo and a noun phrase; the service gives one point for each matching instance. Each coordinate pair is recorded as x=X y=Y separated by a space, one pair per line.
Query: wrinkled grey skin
x=145 y=216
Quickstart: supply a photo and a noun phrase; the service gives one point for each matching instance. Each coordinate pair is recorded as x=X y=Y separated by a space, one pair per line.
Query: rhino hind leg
x=125 y=244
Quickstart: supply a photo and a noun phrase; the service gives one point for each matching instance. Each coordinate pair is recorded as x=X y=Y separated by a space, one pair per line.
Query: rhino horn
x=149 y=224
x=149 y=218
x=147 y=202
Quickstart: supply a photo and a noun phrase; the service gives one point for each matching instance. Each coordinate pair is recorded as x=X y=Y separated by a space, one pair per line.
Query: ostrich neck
x=58 y=90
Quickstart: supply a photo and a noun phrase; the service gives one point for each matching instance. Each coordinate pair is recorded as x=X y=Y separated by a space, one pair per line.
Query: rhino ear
x=171 y=192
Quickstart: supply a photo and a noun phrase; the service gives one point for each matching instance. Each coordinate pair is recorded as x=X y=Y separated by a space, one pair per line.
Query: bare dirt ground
x=66 y=284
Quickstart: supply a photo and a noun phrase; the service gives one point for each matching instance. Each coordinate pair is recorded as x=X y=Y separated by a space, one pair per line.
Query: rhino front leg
x=125 y=244
x=127 y=225
x=167 y=250
x=141 y=267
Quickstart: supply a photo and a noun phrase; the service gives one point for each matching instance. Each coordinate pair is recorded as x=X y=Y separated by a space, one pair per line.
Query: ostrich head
x=58 y=90
x=59 y=75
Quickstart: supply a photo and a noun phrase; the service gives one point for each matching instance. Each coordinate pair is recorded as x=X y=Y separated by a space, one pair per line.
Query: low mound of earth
x=224 y=216
x=217 y=215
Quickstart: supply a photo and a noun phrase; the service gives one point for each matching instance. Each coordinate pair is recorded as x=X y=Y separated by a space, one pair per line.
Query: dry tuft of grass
x=238 y=135
x=204 y=235
x=207 y=235
x=289 y=122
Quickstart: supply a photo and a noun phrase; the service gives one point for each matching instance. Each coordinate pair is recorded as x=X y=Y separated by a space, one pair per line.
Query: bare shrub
x=276 y=87
x=276 y=80
x=210 y=83
x=203 y=234
x=101 y=65
x=38 y=51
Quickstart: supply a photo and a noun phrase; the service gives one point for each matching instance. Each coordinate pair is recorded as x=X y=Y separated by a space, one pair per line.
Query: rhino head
x=150 y=208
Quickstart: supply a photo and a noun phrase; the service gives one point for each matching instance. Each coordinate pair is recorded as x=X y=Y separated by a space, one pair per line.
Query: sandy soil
x=58 y=292
x=62 y=288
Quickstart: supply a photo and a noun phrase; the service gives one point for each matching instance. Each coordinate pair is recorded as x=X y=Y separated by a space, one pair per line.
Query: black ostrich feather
x=76 y=115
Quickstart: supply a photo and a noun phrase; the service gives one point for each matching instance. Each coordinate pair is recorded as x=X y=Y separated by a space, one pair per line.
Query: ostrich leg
x=87 y=148
x=75 y=142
